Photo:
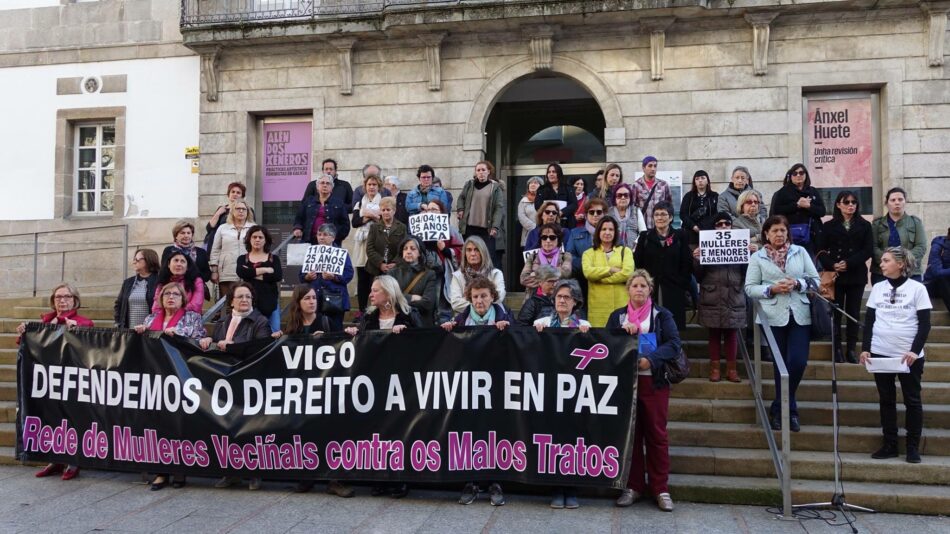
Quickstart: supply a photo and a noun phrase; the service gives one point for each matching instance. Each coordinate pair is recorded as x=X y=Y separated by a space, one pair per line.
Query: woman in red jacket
x=64 y=302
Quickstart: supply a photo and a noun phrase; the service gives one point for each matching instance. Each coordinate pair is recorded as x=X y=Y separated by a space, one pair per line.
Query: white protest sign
x=324 y=259
x=721 y=247
x=430 y=226
x=296 y=252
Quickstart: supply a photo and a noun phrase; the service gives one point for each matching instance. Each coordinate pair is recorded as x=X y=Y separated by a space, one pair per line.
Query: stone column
x=541 y=45
x=344 y=46
x=209 y=72
x=433 y=44
x=760 y=40
x=936 y=29
x=657 y=27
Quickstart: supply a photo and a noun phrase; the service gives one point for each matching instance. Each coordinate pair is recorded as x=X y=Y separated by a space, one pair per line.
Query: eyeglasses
x=63 y=297
x=752 y=202
x=850 y=202
x=563 y=297
x=548 y=237
x=622 y=195
x=549 y=212
x=798 y=173
x=240 y=209
x=136 y=260
x=595 y=212
x=723 y=224
x=171 y=294
x=660 y=214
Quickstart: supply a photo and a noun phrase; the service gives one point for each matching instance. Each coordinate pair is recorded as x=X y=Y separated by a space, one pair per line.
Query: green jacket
x=913 y=237
x=496 y=207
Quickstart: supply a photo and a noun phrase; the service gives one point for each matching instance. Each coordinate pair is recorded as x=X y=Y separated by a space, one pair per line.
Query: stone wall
x=709 y=111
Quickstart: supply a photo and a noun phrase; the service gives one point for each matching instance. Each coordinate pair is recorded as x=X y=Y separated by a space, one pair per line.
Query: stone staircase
x=718 y=453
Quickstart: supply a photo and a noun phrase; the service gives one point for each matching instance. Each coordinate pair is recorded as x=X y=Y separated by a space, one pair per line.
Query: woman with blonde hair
x=229 y=245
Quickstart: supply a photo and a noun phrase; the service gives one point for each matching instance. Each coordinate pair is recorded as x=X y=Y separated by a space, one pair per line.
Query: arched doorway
x=537 y=120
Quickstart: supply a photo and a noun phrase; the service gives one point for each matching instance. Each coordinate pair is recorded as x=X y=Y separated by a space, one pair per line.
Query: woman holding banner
x=547 y=214
x=241 y=325
x=332 y=296
x=262 y=271
x=607 y=265
x=65 y=303
x=417 y=282
x=896 y=326
x=174 y=320
x=722 y=307
x=551 y=254
x=476 y=261
x=484 y=310
x=382 y=244
x=650 y=468
x=779 y=274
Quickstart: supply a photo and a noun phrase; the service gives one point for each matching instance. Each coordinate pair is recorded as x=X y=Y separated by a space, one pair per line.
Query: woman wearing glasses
x=801 y=204
x=134 y=302
x=550 y=254
x=748 y=207
x=896 y=325
x=628 y=216
x=665 y=254
x=721 y=306
x=547 y=214
x=845 y=249
x=65 y=303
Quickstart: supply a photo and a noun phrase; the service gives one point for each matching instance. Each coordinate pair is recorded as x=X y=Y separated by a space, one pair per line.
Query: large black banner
x=553 y=408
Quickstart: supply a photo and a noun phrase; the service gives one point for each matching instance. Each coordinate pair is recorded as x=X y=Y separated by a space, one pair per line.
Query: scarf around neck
x=189 y=250
x=236 y=318
x=549 y=258
x=636 y=316
x=571 y=322
x=778 y=256
x=158 y=323
x=474 y=319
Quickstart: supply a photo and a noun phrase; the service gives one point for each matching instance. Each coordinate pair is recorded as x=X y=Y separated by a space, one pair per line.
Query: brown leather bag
x=826 y=285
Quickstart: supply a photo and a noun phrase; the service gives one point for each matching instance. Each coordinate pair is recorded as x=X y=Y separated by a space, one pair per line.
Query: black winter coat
x=668 y=344
x=370 y=321
x=534 y=308
x=565 y=193
x=254 y=326
x=698 y=212
x=427 y=288
x=785 y=202
x=854 y=246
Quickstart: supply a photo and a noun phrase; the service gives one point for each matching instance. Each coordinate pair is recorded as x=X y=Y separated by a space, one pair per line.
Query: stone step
x=88 y=301
x=7 y=411
x=883 y=497
x=8 y=434
x=8 y=391
x=8 y=373
x=865 y=440
x=808 y=390
x=821 y=370
x=696 y=332
x=855 y=467
x=8 y=356
x=863 y=414
x=817 y=350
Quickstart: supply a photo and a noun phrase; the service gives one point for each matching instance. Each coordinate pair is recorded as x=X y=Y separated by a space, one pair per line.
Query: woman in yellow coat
x=607 y=266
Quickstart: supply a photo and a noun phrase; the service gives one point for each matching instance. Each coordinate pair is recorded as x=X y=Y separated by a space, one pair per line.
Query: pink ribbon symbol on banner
x=597 y=352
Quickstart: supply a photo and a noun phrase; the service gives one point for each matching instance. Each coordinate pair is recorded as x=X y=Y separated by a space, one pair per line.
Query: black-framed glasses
x=798 y=173
x=549 y=212
x=850 y=202
x=595 y=212
x=548 y=237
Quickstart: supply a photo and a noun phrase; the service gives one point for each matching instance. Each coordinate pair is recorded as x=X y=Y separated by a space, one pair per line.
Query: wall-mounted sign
x=286 y=164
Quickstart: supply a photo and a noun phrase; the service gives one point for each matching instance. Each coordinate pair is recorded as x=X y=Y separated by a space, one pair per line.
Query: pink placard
x=840 y=143
x=287 y=162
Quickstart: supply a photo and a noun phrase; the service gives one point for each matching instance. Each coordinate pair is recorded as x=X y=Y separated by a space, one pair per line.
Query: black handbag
x=820 y=318
x=331 y=301
x=678 y=369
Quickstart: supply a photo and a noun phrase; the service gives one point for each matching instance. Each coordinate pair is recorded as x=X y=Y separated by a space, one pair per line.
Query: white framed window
x=95 y=173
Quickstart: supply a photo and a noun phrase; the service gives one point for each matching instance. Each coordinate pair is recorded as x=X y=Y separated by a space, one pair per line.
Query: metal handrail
x=36 y=244
x=220 y=303
x=781 y=459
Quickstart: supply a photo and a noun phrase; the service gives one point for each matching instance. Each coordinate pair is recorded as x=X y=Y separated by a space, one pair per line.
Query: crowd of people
x=605 y=254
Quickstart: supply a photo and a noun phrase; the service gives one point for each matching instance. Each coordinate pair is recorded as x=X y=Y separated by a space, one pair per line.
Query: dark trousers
x=913 y=413
x=940 y=287
x=673 y=298
x=487 y=238
x=792 y=340
x=651 y=444
x=848 y=296
x=364 y=282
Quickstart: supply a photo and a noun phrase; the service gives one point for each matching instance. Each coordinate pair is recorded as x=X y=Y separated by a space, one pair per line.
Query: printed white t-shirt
x=895 y=325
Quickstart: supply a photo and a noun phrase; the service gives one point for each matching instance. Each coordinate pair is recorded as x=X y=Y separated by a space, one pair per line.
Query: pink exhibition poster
x=287 y=165
x=839 y=143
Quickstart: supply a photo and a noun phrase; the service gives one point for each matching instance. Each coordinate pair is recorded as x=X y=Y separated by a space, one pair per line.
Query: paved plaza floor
x=119 y=502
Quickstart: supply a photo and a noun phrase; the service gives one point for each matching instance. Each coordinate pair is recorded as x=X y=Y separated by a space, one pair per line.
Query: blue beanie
x=648 y=159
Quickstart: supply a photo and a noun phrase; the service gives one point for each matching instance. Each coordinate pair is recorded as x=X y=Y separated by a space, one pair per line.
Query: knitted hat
x=648 y=159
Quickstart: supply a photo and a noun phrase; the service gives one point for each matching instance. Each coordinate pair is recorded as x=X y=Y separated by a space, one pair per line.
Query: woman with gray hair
x=540 y=302
x=740 y=181
x=388 y=309
x=896 y=325
x=527 y=213
x=567 y=299
x=476 y=261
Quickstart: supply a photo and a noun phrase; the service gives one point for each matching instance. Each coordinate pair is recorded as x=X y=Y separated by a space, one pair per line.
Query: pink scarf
x=549 y=258
x=636 y=316
x=159 y=321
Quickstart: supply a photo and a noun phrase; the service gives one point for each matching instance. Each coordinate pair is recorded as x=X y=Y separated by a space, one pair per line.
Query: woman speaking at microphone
x=896 y=325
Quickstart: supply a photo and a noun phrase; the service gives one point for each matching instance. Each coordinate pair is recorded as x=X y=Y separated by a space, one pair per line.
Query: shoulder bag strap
x=415 y=280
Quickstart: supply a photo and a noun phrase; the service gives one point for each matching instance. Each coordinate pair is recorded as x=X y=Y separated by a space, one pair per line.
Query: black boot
x=839 y=356
x=913 y=453
x=887 y=450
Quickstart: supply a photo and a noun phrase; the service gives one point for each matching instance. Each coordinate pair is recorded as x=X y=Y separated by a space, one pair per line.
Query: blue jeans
x=792 y=340
x=275 y=319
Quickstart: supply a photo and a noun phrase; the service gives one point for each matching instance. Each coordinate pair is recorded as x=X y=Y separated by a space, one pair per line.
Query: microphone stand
x=837 y=501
